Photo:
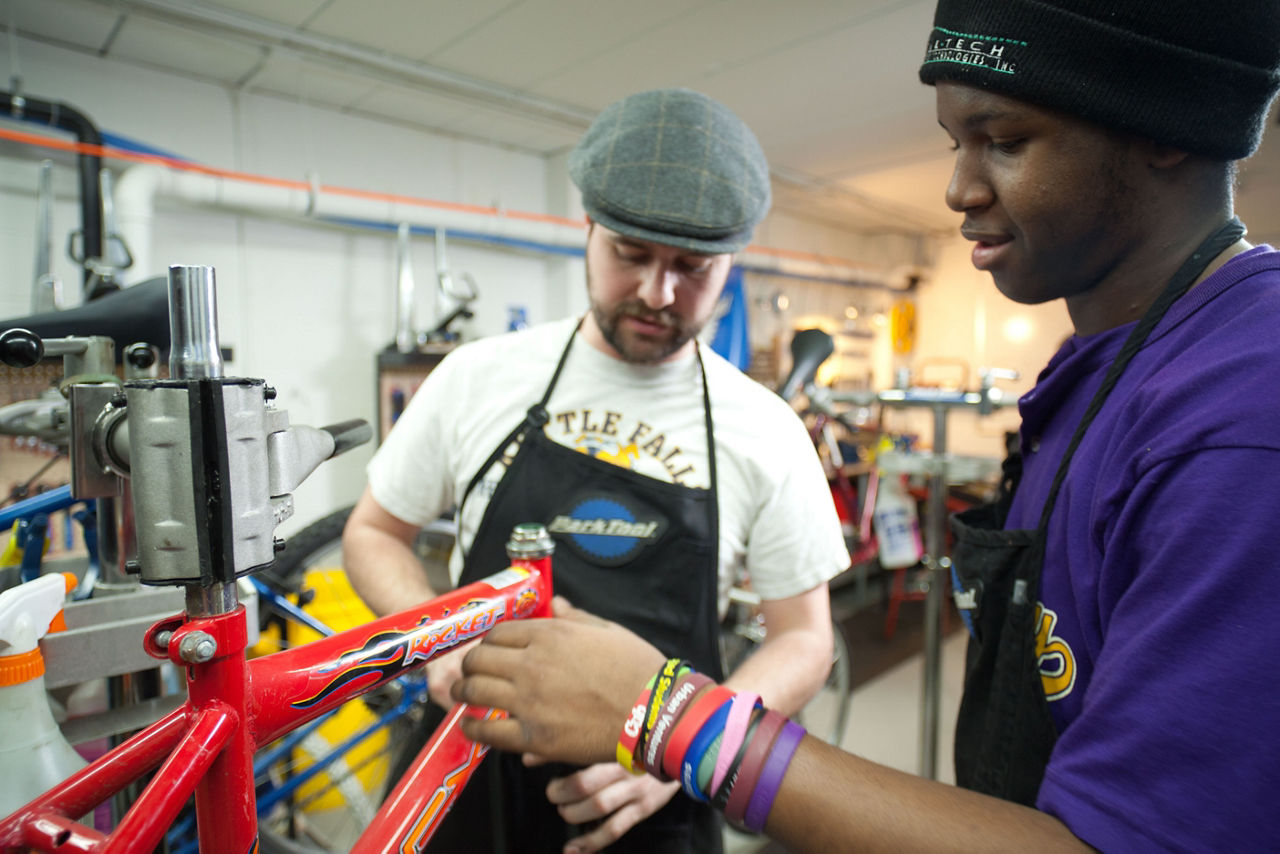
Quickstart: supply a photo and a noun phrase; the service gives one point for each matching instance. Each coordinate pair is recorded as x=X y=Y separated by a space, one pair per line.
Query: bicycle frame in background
x=211 y=468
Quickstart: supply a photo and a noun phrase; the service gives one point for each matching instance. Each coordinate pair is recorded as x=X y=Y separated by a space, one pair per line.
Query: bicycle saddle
x=809 y=349
x=136 y=314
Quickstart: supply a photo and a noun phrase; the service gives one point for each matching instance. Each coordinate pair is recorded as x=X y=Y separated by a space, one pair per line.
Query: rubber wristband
x=775 y=767
x=708 y=763
x=662 y=685
x=683 y=696
x=752 y=764
x=631 y=732
x=628 y=747
x=735 y=729
x=682 y=733
x=698 y=748
x=720 y=796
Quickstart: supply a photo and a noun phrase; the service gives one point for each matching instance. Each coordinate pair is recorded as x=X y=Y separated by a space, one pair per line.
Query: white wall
x=304 y=307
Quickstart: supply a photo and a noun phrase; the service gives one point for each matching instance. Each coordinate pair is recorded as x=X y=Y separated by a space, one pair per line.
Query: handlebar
x=348 y=434
x=21 y=348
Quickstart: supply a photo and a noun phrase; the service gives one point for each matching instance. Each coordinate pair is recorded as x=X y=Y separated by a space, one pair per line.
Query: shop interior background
x=477 y=104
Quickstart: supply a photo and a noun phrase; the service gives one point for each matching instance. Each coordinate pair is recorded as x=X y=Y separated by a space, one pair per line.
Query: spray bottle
x=897 y=524
x=33 y=754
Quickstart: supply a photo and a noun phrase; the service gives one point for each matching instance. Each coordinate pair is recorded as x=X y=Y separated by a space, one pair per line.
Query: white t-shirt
x=777 y=519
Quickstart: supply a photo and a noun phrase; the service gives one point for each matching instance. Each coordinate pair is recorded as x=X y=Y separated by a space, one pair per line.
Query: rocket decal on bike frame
x=386 y=654
x=608 y=530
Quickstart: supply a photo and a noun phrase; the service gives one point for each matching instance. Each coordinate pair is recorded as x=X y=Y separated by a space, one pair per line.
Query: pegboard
x=23 y=458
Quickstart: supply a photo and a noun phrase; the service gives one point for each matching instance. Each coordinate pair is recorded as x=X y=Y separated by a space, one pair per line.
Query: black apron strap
x=1182 y=280
x=713 y=482
x=534 y=419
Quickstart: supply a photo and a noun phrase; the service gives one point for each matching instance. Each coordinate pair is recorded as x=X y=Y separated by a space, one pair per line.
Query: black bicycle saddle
x=809 y=349
x=136 y=314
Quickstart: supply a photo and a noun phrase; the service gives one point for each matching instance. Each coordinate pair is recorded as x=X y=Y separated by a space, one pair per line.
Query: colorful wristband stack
x=726 y=749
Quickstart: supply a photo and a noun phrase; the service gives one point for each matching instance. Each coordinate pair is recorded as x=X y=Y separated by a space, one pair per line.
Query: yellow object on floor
x=355 y=781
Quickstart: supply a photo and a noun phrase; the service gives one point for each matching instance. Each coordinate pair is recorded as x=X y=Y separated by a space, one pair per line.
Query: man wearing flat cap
x=661 y=470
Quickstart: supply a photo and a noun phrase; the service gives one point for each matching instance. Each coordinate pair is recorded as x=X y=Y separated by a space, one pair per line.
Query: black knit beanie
x=1198 y=75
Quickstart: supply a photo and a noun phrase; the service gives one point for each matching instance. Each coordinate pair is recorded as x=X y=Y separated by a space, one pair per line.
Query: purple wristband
x=766 y=789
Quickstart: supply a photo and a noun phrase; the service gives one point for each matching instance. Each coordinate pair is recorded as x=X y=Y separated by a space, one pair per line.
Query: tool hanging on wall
x=46 y=292
x=406 y=336
x=105 y=268
x=89 y=165
x=454 y=294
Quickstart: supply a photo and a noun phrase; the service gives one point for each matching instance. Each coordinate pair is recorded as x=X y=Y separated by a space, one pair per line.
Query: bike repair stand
x=213 y=464
x=941 y=468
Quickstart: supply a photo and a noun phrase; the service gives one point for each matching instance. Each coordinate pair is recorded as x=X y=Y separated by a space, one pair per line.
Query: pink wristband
x=735 y=729
x=784 y=747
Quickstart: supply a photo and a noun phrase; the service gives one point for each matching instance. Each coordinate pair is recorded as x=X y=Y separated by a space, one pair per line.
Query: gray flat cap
x=675 y=167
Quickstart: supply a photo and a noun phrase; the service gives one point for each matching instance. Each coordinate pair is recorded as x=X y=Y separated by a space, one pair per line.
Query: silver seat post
x=194 y=352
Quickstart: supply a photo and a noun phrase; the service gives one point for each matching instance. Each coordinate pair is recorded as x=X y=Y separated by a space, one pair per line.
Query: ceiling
x=829 y=86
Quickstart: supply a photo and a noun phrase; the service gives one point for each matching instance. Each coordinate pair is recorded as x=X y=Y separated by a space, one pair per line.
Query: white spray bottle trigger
x=29 y=610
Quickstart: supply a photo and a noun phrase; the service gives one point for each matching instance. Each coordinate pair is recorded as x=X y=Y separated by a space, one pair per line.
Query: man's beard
x=643 y=349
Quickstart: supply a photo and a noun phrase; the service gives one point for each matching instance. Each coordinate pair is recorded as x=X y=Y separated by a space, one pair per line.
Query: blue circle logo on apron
x=608 y=531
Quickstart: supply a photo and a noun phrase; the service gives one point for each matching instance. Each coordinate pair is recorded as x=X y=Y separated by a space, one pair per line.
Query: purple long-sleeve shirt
x=1161 y=589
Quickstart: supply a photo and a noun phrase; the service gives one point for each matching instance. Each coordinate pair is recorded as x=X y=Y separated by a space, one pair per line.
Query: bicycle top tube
x=326 y=672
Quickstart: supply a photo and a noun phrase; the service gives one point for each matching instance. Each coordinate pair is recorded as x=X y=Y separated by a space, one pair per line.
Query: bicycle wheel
x=827 y=714
x=320 y=544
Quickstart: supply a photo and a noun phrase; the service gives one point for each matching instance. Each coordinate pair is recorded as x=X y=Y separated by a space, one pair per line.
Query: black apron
x=1004 y=731
x=629 y=548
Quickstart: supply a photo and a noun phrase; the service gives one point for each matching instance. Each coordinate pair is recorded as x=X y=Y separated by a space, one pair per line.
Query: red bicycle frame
x=846 y=496
x=234 y=706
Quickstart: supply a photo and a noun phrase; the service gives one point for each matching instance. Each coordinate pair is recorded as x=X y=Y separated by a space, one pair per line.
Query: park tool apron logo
x=607 y=530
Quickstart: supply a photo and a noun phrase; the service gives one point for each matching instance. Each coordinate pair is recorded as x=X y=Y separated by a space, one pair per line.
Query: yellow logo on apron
x=1053 y=656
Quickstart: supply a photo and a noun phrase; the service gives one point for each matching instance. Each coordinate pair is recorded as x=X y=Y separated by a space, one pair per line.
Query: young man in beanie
x=660 y=469
x=1121 y=596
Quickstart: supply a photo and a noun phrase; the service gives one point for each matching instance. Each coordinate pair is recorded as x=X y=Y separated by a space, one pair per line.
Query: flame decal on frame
x=385 y=654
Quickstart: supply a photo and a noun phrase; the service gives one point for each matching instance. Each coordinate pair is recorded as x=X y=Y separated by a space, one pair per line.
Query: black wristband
x=720 y=798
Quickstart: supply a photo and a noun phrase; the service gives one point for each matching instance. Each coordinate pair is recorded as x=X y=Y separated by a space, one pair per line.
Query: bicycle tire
x=827 y=714
x=302 y=548
x=433 y=547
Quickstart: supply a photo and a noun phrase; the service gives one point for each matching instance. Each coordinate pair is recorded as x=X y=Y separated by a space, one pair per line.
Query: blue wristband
x=697 y=749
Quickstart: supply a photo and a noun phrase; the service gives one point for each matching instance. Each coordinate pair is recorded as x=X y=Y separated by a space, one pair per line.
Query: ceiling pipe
x=68 y=118
x=139 y=187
